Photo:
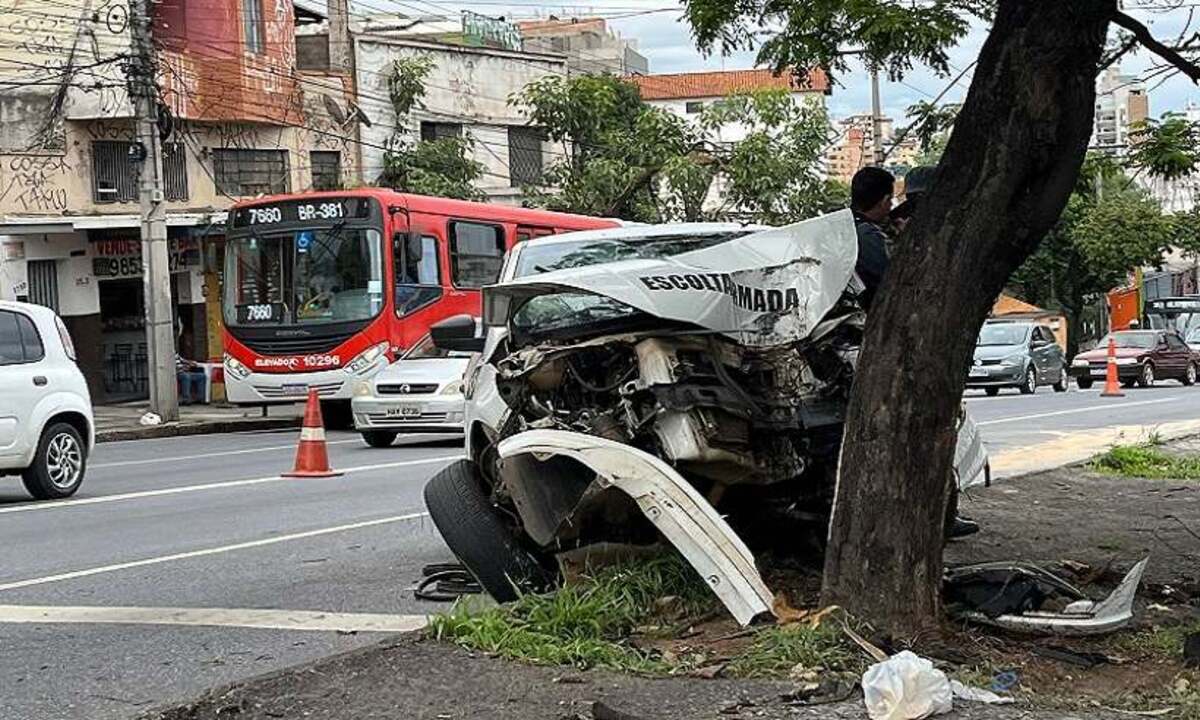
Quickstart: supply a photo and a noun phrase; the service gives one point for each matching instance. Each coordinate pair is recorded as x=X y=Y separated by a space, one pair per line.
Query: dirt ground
x=1072 y=514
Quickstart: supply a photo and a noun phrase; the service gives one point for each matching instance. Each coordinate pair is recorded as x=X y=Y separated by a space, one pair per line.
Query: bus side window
x=415 y=258
x=525 y=232
x=476 y=253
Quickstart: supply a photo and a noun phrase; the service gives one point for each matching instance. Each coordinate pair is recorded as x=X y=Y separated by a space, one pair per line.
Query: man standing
x=871 y=200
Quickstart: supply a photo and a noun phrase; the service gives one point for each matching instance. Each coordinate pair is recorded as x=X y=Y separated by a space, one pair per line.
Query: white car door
x=21 y=360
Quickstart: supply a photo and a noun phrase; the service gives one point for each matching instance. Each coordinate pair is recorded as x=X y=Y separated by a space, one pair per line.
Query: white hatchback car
x=422 y=392
x=46 y=425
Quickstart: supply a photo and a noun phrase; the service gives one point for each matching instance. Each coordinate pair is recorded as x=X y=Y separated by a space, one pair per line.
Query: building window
x=326 y=169
x=691 y=107
x=524 y=155
x=175 y=183
x=252 y=24
x=241 y=173
x=476 y=251
x=431 y=131
x=114 y=175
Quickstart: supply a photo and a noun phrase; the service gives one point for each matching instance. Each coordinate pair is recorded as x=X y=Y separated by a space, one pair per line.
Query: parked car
x=1017 y=355
x=1142 y=356
x=46 y=425
x=663 y=382
x=419 y=393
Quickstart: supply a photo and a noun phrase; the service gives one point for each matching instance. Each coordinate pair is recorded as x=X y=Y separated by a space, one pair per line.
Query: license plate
x=404 y=411
x=978 y=372
x=1099 y=373
x=294 y=389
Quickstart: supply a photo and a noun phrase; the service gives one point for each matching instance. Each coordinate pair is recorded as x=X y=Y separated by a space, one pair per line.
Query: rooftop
x=679 y=86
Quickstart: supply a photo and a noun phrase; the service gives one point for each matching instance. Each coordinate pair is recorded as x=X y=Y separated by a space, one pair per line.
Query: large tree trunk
x=1008 y=170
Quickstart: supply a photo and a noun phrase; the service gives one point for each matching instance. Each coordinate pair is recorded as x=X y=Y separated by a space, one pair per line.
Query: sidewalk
x=121 y=422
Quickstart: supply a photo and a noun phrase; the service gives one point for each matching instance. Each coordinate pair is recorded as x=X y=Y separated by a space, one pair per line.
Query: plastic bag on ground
x=905 y=687
x=979 y=695
x=150 y=419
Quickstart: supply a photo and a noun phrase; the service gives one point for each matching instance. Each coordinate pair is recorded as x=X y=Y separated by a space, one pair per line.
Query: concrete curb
x=206 y=428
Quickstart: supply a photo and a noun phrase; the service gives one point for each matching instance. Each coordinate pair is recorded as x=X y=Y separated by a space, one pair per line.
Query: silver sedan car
x=422 y=392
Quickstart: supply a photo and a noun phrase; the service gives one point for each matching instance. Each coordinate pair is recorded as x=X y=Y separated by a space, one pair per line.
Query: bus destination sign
x=320 y=210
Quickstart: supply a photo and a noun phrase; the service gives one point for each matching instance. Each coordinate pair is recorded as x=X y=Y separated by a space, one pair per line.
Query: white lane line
x=206 y=456
x=30 y=507
x=1109 y=407
x=309 y=620
x=74 y=574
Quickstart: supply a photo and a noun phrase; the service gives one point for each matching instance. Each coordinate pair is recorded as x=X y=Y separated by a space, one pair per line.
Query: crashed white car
x=641 y=384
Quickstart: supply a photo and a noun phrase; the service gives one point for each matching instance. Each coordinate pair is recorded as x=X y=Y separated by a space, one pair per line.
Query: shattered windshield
x=547 y=313
x=993 y=335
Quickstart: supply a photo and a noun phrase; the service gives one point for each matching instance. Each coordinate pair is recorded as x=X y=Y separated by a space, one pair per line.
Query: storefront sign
x=12 y=250
x=483 y=30
x=122 y=257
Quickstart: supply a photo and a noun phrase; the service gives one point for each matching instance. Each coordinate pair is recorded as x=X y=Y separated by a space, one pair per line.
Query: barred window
x=114 y=174
x=242 y=173
x=326 y=169
x=431 y=131
x=525 y=155
x=252 y=22
x=175 y=183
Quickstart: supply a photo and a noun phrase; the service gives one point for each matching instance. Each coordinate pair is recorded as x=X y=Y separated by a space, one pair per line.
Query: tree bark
x=1007 y=172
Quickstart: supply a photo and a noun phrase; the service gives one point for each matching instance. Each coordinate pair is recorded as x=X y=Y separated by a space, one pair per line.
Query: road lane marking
x=52 y=505
x=266 y=619
x=87 y=572
x=206 y=456
x=1090 y=408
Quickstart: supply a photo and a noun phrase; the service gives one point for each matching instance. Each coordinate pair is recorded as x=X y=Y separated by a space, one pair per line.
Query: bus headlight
x=366 y=358
x=235 y=368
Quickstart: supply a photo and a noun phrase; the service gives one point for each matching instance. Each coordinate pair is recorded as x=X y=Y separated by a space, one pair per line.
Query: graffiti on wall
x=34 y=183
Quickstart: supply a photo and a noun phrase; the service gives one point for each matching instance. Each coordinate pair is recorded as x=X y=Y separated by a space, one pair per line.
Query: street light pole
x=876 y=121
x=160 y=335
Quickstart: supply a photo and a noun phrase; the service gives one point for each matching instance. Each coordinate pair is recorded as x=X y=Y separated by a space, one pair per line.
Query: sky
x=664 y=37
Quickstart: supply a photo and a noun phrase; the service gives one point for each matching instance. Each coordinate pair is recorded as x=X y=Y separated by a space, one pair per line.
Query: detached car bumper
x=412 y=413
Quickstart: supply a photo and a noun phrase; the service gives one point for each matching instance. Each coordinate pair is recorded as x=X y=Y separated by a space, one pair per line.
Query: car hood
x=765 y=288
x=433 y=370
x=997 y=352
x=1101 y=353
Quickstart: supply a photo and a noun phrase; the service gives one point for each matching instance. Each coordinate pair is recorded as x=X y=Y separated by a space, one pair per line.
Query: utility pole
x=339 y=37
x=156 y=276
x=876 y=121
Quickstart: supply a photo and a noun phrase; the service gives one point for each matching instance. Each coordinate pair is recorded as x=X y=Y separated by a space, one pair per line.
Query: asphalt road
x=185 y=563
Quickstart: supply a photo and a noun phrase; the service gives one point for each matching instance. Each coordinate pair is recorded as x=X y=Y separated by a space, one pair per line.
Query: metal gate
x=43 y=283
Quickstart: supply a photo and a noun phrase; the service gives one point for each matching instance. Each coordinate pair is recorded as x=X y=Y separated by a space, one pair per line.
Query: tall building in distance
x=1121 y=103
x=854 y=144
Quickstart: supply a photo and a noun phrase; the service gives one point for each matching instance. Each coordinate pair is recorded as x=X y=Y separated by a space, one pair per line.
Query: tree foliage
x=620 y=156
x=1167 y=148
x=442 y=167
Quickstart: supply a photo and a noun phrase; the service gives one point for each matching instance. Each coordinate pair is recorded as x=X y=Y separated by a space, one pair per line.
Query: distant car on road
x=1019 y=355
x=46 y=425
x=1142 y=356
x=422 y=392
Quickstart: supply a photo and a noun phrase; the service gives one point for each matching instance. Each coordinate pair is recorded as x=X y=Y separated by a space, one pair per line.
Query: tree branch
x=1148 y=41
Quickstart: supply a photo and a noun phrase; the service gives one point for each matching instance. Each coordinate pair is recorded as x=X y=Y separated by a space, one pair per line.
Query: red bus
x=323 y=289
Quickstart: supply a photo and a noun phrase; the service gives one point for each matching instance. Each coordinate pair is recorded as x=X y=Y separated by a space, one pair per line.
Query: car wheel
x=992 y=391
x=59 y=465
x=1063 y=380
x=379 y=438
x=478 y=535
x=1083 y=383
x=1146 y=377
x=1029 y=385
x=1189 y=377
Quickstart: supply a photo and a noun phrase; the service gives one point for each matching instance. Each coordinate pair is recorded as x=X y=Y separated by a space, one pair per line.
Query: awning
x=43 y=225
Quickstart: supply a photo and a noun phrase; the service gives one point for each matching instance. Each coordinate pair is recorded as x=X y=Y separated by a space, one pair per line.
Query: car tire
x=1146 y=375
x=1063 y=381
x=58 y=465
x=992 y=391
x=1083 y=383
x=1029 y=382
x=379 y=438
x=478 y=535
x=1189 y=375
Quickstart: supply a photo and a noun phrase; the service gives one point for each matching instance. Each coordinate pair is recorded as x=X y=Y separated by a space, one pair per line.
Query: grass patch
x=1160 y=642
x=777 y=650
x=585 y=624
x=1146 y=461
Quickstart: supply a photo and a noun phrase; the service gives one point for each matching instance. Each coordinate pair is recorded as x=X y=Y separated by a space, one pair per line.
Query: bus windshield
x=304 y=277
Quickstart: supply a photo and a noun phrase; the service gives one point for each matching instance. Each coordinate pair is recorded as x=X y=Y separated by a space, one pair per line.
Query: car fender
x=970 y=455
x=49 y=406
x=679 y=512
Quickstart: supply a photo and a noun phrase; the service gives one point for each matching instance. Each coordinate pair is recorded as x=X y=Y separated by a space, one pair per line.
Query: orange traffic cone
x=1112 y=387
x=311 y=458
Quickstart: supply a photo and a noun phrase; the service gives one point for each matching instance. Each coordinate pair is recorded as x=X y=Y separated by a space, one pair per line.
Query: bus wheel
x=337 y=415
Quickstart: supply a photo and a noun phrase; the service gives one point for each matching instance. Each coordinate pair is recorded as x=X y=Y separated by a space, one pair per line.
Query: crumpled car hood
x=762 y=289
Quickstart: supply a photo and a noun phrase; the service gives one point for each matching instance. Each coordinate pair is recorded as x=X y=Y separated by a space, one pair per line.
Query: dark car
x=1017 y=354
x=1142 y=356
